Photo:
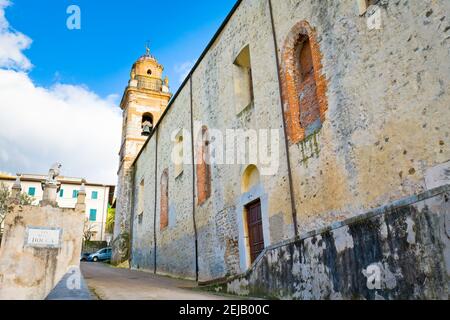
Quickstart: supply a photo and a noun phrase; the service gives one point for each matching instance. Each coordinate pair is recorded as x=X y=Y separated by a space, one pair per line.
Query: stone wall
x=384 y=127
x=144 y=235
x=399 y=251
x=175 y=252
x=121 y=242
x=28 y=272
x=388 y=98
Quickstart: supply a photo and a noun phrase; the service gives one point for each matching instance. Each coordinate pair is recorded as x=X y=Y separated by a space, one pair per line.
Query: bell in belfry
x=147 y=128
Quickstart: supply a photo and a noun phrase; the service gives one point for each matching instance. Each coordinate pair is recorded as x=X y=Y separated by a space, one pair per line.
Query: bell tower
x=143 y=103
x=145 y=99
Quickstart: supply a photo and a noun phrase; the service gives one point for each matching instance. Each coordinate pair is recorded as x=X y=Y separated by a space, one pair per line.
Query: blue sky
x=112 y=36
x=60 y=88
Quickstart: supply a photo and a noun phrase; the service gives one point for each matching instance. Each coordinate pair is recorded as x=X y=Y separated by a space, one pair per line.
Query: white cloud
x=183 y=69
x=65 y=123
x=12 y=43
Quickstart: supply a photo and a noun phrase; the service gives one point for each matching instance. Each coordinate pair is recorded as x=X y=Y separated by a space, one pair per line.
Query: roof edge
x=189 y=76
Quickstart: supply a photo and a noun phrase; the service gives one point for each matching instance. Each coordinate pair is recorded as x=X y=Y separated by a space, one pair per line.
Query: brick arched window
x=164 y=207
x=203 y=167
x=304 y=85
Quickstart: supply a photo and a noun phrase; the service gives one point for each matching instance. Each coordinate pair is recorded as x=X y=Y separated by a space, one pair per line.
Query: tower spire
x=147 y=48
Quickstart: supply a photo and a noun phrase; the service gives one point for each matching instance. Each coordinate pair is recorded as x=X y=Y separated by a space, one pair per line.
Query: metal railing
x=150 y=84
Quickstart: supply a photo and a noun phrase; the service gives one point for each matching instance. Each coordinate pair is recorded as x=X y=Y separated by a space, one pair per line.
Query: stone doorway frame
x=256 y=193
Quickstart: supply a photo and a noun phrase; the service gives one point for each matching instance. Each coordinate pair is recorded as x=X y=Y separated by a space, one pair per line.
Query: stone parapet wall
x=398 y=251
x=30 y=272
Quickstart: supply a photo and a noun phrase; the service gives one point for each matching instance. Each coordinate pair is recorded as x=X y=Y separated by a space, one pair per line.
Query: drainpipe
x=133 y=176
x=193 y=183
x=156 y=197
x=103 y=214
x=291 y=183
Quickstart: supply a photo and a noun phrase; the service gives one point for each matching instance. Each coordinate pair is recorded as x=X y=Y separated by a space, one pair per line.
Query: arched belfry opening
x=147 y=124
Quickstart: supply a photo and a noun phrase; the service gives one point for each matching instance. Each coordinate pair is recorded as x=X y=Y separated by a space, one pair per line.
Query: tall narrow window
x=93 y=215
x=140 y=205
x=94 y=195
x=242 y=78
x=203 y=168
x=75 y=194
x=164 y=206
x=179 y=154
x=32 y=191
x=304 y=85
x=147 y=124
x=307 y=89
x=61 y=193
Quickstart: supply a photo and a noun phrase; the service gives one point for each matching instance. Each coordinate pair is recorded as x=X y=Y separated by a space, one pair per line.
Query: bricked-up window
x=304 y=85
x=242 y=78
x=307 y=89
x=164 y=206
x=203 y=167
x=179 y=150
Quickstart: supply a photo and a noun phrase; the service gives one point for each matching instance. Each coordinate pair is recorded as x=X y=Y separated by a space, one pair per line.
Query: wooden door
x=255 y=229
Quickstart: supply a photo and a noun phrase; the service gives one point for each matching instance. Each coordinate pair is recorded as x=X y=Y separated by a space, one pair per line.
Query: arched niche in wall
x=250 y=178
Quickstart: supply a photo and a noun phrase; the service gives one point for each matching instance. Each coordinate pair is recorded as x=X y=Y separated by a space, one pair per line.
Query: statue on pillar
x=54 y=172
x=51 y=186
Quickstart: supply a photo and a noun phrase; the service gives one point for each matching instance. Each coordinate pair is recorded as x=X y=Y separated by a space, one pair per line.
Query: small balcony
x=150 y=84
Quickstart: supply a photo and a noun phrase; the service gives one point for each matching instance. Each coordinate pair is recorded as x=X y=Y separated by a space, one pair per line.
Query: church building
x=309 y=133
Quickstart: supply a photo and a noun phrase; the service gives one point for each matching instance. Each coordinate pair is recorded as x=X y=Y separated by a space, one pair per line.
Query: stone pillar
x=16 y=189
x=121 y=240
x=50 y=193
x=81 y=199
x=50 y=187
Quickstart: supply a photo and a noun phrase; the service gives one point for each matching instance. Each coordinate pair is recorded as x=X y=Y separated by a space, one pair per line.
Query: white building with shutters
x=99 y=198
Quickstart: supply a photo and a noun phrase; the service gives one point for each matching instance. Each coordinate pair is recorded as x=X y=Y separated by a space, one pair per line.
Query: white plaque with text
x=43 y=237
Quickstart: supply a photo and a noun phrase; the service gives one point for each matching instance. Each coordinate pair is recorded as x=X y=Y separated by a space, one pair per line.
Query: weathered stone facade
x=400 y=251
x=30 y=271
x=384 y=112
x=143 y=103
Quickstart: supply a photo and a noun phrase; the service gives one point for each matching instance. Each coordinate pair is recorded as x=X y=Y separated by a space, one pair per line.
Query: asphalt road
x=109 y=283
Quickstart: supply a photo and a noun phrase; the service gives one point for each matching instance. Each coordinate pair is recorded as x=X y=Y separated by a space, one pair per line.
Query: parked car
x=101 y=255
x=84 y=256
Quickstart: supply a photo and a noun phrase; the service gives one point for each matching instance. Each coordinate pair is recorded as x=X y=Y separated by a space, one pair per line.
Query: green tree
x=110 y=220
x=5 y=207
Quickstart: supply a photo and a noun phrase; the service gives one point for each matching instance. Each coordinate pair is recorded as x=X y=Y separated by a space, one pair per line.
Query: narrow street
x=109 y=283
